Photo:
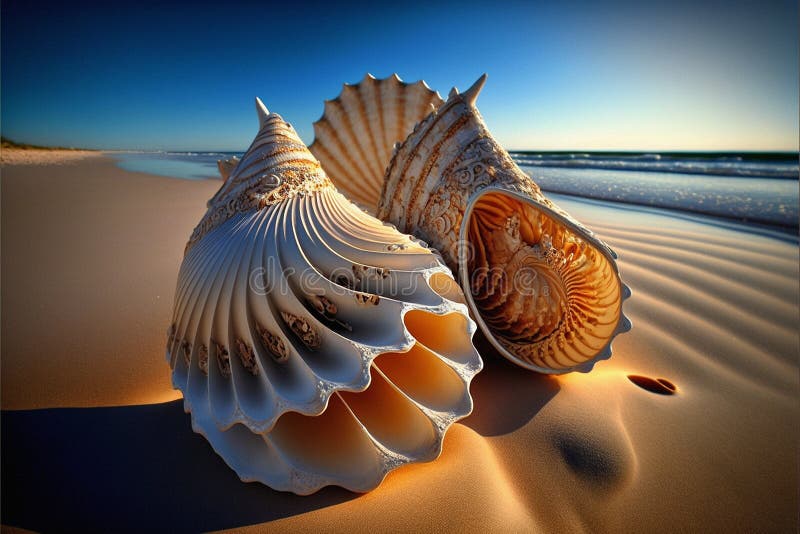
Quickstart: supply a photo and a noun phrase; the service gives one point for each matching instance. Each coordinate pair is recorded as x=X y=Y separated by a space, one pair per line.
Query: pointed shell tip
x=262 y=111
x=471 y=94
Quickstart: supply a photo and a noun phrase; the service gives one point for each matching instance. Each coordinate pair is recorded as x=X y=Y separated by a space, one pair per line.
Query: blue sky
x=562 y=75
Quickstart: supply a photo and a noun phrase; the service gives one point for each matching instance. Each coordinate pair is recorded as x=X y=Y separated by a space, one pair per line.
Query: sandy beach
x=93 y=432
x=36 y=156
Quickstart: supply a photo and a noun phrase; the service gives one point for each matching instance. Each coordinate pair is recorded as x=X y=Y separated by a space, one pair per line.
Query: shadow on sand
x=129 y=468
x=505 y=396
x=133 y=468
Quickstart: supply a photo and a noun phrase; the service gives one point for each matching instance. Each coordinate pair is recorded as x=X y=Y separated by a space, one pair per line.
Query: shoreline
x=778 y=231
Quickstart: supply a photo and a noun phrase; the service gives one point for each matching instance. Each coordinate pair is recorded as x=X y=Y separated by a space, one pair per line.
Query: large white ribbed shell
x=355 y=137
x=543 y=288
x=312 y=342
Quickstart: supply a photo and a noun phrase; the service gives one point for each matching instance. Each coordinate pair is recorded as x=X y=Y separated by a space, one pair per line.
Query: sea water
x=750 y=187
x=186 y=165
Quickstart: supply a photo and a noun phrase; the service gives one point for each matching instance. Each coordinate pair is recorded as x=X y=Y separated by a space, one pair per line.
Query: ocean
x=756 y=188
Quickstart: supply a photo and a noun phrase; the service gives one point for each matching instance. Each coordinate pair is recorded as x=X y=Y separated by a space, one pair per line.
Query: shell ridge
x=334 y=151
x=225 y=338
x=196 y=298
x=340 y=120
x=405 y=154
x=250 y=329
x=428 y=164
x=337 y=242
x=199 y=294
x=373 y=115
x=422 y=455
x=221 y=393
x=337 y=169
x=354 y=111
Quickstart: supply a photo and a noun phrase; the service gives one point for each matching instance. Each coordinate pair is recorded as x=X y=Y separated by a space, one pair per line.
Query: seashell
x=543 y=288
x=356 y=135
x=313 y=343
x=226 y=166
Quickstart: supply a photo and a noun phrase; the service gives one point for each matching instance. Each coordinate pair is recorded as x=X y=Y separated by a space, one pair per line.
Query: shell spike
x=453 y=93
x=471 y=95
x=262 y=111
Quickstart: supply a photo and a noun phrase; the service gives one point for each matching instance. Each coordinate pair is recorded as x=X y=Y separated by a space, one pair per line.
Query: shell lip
x=390 y=460
x=448 y=419
x=325 y=481
x=624 y=324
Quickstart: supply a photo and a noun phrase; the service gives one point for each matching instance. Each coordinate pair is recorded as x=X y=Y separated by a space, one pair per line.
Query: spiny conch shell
x=543 y=288
x=355 y=137
x=226 y=166
x=312 y=342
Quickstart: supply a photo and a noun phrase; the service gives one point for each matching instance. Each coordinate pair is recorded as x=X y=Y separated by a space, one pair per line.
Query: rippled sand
x=90 y=258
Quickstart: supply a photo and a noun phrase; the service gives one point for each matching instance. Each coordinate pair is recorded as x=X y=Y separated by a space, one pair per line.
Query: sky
x=563 y=75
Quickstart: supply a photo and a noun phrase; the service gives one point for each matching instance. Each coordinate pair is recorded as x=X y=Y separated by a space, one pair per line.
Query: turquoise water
x=186 y=165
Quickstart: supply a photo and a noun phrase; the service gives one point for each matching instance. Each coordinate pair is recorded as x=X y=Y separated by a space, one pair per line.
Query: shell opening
x=435 y=333
x=444 y=286
x=334 y=443
x=423 y=376
x=548 y=295
x=330 y=444
x=390 y=417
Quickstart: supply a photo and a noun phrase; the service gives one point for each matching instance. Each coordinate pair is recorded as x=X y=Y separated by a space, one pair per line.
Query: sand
x=36 y=156
x=90 y=258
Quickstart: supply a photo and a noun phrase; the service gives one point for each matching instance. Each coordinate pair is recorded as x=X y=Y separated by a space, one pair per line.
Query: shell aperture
x=543 y=288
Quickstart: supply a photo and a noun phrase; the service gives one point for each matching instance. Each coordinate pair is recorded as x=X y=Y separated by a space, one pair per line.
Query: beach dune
x=93 y=431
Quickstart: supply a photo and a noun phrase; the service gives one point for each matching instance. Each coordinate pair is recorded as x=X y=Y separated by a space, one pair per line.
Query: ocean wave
x=761 y=200
x=734 y=165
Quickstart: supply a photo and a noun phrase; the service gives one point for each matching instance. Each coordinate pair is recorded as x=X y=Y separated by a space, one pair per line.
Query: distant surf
x=751 y=164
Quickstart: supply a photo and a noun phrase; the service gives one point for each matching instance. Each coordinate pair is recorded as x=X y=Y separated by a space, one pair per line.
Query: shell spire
x=277 y=165
x=471 y=95
x=263 y=112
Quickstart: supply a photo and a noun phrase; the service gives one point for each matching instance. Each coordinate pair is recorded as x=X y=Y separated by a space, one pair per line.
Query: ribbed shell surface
x=355 y=137
x=312 y=342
